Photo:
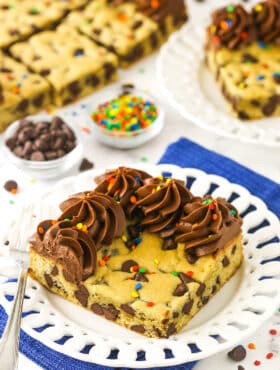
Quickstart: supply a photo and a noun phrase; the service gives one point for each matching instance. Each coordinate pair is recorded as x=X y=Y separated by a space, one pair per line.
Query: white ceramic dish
x=234 y=313
x=44 y=169
x=193 y=91
x=129 y=140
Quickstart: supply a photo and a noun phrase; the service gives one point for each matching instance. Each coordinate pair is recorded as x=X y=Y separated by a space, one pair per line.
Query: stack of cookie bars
x=58 y=51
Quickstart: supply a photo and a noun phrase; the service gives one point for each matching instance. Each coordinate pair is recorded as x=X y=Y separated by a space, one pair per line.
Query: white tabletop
x=264 y=160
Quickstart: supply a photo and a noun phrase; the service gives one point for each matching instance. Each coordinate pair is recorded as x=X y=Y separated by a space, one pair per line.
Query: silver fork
x=9 y=343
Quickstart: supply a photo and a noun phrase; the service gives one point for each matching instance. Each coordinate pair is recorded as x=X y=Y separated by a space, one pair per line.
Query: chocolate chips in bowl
x=43 y=146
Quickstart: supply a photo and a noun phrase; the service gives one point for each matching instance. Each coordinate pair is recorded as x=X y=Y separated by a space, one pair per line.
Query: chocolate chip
x=255 y=103
x=138 y=328
x=249 y=58
x=37 y=156
x=233 y=250
x=74 y=88
x=134 y=231
x=96 y=308
x=82 y=295
x=48 y=279
x=38 y=101
x=68 y=276
x=78 y=52
x=97 y=31
x=11 y=185
x=243 y=115
x=6 y=242
x=140 y=277
x=237 y=354
x=214 y=289
x=14 y=32
x=128 y=309
x=271 y=105
x=185 y=278
x=22 y=106
x=218 y=280
x=180 y=290
x=45 y=72
x=276 y=78
x=171 y=329
x=5 y=70
x=54 y=271
x=225 y=261
x=187 y=307
x=85 y=165
x=110 y=312
x=175 y=314
x=205 y=299
x=128 y=86
x=92 y=80
x=168 y=244
x=137 y=24
x=154 y=40
x=109 y=70
x=127 y=265
x=200 y=289
x=239 y=366
x=191 y=258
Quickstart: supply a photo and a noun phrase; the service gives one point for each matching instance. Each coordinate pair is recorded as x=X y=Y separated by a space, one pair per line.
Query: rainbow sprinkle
x=126 y=113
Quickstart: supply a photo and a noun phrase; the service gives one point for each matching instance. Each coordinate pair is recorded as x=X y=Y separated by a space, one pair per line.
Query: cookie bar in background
x=242 y=51
x=143 y=252
x=169 y=15
x=21 y=92
x=73 y=65
x=121 y=29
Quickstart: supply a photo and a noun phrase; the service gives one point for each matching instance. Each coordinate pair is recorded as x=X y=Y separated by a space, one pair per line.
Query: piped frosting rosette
x=267 y=18
x=207 y=225
x=121 y=184
x=232 y=27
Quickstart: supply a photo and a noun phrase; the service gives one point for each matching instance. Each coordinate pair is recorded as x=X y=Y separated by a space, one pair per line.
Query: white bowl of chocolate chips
x=43 y=146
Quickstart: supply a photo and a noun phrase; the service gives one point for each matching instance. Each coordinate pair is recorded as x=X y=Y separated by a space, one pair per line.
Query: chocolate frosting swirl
x=267 y=18
x=73 y=249
x=207 y=225
x=232 y=27
x=98 y=214
x=121 y=184
x=161 y=201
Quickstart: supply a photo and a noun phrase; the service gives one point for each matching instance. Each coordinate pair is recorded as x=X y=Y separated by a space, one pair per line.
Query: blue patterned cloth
x=183 y=153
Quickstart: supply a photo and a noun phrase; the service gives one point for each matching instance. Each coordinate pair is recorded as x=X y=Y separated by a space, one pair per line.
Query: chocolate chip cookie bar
x=121 y=29
x=73 y=65
x=242 y=52
x=140 y=251
x=21 y=92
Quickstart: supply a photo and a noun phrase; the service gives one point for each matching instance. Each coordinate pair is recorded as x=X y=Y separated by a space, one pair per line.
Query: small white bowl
x=132 y=139
x=43 y=169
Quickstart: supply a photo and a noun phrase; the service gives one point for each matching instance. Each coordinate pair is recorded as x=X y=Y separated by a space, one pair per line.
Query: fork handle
x=9 y=344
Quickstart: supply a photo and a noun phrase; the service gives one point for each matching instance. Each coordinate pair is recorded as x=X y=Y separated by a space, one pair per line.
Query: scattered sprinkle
x=142 y=270
x=79 y=226
x=269 y=355
x=251 y=346
x=134 y=294
x=156 y=261
x=133 y=199
x=150 y=304
x=124 y=238
x=11 y=202
x=32 y=180
x=273 y=331
x=144 y=159
x=257 y=363
x=175 y=273
x=85 y=129
x=101 y=263
x=230 y=8
x=138 y=286
x=260 y=77
x=189 y=273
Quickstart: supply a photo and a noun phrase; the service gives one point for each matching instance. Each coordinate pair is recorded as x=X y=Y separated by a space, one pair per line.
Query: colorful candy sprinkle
x=156 y=261
x=134 y=294
x=273 y=331
x=142 y=270
x=150 y=304
x=230 y=8
x=251 y=346
x=175 y=273
x=257 y=363
x=189 y=273
x=269 y=355
x=126 y=113
x=138 y=286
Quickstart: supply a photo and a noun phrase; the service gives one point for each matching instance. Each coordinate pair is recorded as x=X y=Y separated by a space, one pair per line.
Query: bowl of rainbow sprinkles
x=128 y=120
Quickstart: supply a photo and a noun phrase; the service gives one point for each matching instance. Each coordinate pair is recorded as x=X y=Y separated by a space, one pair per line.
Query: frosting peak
x=267 y=18
x=161 y=201
x=121 y=184
x=231 y=27
x=206 y=225
x=73 y=249
x=94 y=213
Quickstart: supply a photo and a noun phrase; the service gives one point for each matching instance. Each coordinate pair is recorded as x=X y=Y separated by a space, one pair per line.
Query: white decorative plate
x=233 y=314
x=193 y=91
